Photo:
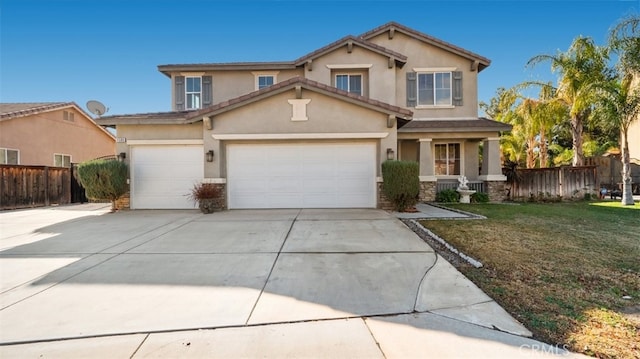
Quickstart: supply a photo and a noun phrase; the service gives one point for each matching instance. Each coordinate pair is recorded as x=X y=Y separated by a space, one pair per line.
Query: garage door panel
x=164 y=175
x=301 y=175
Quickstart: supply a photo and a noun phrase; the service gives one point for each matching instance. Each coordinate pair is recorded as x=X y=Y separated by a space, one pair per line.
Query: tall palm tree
x=621 y=100
x=619 y=104
x=583 y=64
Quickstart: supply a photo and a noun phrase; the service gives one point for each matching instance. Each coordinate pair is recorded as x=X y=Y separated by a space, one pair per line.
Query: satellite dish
x=96 y=108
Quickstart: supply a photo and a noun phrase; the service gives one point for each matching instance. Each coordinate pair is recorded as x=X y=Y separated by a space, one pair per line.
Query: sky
x=81 y=50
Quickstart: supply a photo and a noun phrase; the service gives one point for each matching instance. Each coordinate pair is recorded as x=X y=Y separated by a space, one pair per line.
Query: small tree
x=103 y=180
x=401 y=183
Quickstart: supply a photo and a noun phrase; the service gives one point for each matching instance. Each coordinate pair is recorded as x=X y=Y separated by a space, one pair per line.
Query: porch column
x=427 y=174
x=491 y=167
x=426 y=160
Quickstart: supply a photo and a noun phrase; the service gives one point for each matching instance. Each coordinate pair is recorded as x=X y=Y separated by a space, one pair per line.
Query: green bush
x=401 y=183
x=479 y=197
x=103 y=179
x=448 y=195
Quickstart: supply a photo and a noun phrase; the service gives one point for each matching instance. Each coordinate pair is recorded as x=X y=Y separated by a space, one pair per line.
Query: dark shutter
x=207 y=90
x=179 y=93
x=412 y=89
x=457 y=88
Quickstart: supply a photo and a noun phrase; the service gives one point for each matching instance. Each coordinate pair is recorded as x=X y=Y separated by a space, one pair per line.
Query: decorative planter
x=207 y=205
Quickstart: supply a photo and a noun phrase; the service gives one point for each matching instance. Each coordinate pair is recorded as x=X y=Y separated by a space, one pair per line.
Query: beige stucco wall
x=381 y=78
x=232 y=84
x=326 y=115
x=156 y=133
x=38 y=137
x=421 y=55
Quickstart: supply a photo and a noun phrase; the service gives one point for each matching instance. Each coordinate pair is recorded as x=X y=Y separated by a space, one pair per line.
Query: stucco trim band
x=299 y=136
x=165 y=142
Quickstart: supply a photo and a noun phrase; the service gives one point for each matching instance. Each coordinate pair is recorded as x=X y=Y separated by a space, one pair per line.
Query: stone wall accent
x=427 y=192
x=383 y=201
x=221 y=201
x=495 y=190
x=124 y=202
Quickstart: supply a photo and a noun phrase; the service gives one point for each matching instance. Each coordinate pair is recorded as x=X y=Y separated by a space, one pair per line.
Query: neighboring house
x=313 y=132
x=50 y=134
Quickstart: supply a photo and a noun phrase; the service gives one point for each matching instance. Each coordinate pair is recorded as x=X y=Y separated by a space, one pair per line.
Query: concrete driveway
x=79 y=282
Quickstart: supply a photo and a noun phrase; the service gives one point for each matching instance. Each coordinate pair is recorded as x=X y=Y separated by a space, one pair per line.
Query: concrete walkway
x=78 y=282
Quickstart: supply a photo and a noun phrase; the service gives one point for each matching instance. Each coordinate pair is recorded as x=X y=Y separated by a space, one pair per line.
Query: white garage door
x=301 y=176
x=163 y=175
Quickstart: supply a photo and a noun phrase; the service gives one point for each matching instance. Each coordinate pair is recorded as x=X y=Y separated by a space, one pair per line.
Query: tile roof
x=13 y=110
x=455 y=125
x=483 y=61
x=185 y=117
x=304 y=83
x=356 y=41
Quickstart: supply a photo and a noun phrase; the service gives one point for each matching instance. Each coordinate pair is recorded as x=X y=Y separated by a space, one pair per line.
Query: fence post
x=46 y=186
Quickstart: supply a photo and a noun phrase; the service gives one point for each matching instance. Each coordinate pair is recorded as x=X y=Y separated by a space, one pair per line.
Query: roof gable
x=10 y=111
x=350 y=41
x=392 y=27
x=299 y=83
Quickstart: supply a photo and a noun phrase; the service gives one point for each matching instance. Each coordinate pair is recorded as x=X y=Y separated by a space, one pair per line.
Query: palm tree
x=583 y=64
x=621 y=99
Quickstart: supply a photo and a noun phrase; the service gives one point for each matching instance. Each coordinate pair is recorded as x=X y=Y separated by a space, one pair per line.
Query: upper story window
x=434 y=89
x=350 y=82
x=193 y=92
x=9 y=156
x=61 y=160
x=265 y=79
x=447 y=159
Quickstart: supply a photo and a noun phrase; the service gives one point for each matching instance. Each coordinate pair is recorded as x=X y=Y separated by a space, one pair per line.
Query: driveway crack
x=424 y=276
x=273 y=266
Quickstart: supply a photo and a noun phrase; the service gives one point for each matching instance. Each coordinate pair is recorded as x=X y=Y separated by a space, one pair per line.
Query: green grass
x=561 y=269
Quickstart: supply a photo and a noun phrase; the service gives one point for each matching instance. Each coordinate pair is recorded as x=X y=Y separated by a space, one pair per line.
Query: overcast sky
x=80 y=50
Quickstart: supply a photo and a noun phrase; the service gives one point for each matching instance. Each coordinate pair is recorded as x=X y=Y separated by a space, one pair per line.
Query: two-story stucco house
x=50 y=134
x=313 y=132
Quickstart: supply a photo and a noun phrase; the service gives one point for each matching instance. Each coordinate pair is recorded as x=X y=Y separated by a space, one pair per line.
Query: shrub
x=448 y=195
x=401 y=183
x=103 y=179
x=205 y=195
x=480 y=197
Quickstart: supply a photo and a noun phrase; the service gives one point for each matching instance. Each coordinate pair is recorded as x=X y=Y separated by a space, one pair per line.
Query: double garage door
x=260 y=175
x=301 y=175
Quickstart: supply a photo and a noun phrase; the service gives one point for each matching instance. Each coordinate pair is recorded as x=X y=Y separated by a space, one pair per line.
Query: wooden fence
x=34 y=186
x=557 y=182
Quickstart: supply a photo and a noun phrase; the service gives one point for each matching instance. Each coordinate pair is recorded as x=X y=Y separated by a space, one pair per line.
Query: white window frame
x=258 y=74
x=460 y=159
x=3 y=159
x=188 y=104
x=349 y=74
x=62 y=156
x=434 y=70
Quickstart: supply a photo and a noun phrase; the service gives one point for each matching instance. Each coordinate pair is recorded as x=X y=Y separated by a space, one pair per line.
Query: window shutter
x=457 y=88
x=412 y=89
x=207 y=90
x=179 y=93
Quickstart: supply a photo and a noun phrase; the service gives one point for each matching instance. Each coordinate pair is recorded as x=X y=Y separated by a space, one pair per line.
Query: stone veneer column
x=491 y=172
x=427 y=174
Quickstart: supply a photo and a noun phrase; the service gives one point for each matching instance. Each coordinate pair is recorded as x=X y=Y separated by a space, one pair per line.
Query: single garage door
x=163 y=175
x=301 y=175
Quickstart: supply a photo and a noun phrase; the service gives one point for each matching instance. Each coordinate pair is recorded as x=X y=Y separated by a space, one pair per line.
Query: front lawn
x=561 y=269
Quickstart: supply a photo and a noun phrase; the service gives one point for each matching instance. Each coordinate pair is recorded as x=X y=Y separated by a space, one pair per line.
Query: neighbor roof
x=463 y=125
x=483 y=62
x=13 y=110
x=16 y=110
